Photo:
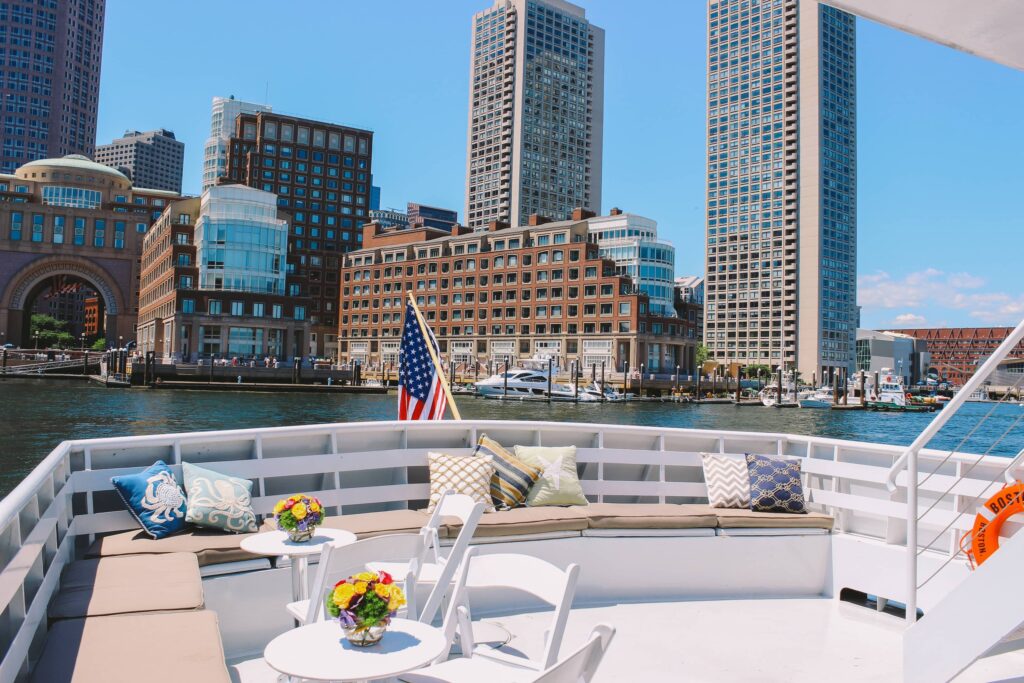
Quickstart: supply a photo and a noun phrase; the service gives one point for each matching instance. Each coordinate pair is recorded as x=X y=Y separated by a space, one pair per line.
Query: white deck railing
x=910 y=466
x=64 y=502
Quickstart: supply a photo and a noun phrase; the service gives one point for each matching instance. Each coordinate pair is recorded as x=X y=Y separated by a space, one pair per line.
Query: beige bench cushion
x=368 y=524
x=649 y=516
x=526 y=520
x=124 y=649
x=209 y=545
x=747 y=519
x=131 y=583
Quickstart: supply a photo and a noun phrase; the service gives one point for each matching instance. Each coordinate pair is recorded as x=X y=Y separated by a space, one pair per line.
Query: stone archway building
x=75 y=218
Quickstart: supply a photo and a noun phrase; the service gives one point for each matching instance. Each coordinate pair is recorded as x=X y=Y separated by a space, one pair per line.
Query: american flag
x=420 y=396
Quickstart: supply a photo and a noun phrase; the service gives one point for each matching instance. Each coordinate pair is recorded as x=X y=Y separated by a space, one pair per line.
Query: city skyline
x=911 y=96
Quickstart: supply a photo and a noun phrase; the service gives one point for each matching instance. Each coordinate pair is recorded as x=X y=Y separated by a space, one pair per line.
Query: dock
x=270 y=387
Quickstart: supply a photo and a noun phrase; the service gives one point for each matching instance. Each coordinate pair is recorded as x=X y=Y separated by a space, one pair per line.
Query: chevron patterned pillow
x=727 y=479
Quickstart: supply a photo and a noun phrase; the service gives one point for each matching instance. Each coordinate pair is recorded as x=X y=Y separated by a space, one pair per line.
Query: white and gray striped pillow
x=727 y=479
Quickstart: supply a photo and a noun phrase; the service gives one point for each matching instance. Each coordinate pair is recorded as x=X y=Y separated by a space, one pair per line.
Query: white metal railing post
x=909 y=457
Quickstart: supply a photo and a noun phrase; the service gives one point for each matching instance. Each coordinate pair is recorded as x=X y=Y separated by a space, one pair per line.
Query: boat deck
x=716 y=641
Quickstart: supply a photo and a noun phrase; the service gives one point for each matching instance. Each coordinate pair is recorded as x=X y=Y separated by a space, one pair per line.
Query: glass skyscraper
x=781 y=188
x=536 y=113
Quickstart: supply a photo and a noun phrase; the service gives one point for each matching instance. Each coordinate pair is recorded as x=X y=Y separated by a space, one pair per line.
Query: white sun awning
x=992 y=29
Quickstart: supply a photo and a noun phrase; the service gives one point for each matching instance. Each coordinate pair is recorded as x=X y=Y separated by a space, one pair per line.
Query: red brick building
x=505 y=294
x=956 y=351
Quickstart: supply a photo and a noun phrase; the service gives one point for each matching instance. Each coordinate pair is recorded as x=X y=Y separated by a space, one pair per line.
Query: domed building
x=70 y=230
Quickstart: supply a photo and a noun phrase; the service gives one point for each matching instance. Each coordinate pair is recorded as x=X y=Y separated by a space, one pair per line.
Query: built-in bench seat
x=127 y=648
x=128 y=584
x=209 y=545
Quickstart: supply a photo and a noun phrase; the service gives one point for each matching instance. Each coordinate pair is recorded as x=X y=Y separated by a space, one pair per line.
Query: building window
x=79 y=231
x=275 y=311
x=300 y=313
x=214 y=307
x=16 y=224
x=257 y=310
x=58 y=229
x=237 y=308
x=188 y=305
x=73 y=197
x=184 y=260
x=185 y=282
x=119 y=228
x=99 y=234
x=37 y=227
x=140 y=227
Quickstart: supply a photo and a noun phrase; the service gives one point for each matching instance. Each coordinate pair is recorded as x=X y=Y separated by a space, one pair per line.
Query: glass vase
x=296 y=536
x=364 y=636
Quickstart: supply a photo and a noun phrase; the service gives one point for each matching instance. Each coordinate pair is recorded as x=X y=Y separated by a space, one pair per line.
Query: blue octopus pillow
x=218 y=501
x=154 y=498
x=775 y=485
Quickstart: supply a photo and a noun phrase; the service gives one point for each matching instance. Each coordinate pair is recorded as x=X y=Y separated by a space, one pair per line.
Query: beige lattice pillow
x=464 y=474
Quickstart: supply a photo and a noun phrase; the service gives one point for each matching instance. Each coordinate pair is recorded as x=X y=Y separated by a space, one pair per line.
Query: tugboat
x=892 y=396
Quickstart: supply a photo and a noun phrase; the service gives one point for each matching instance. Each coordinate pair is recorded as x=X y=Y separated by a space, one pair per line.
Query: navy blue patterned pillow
x=775 y=485
x=154 y=498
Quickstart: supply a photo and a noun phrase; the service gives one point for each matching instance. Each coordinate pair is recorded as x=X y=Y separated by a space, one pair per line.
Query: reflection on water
x=37 y=415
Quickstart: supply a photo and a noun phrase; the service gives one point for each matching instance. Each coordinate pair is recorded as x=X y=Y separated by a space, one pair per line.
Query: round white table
x=321 y=652
x=276 y=544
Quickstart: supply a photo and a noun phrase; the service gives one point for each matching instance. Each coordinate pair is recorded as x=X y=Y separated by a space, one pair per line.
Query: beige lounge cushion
x=748 y=519
x=121 y=649
x=527 y=520
x=209 y=545
x=127 y=584
x=368 y=524
x=650 y=516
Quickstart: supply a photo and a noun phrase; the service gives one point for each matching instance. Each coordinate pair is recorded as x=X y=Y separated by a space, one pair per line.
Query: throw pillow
x=558 y=483
x=461 y=474
x=775 y=485
x=218 y=501
x=512 y=477
x=727 y=480
x=154 y=498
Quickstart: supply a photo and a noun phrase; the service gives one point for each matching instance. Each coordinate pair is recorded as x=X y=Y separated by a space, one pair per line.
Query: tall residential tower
x=536 y=113
x=50 y=90
x=152 y=159
x=222 y=126
x=782 y=185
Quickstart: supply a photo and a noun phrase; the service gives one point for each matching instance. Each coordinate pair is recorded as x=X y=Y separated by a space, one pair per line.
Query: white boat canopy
x=991 y=29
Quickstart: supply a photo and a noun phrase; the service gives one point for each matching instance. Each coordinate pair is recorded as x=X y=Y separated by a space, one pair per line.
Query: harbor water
x=36 y=415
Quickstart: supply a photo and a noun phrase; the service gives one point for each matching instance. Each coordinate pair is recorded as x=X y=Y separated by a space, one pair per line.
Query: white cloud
x=937 y=289
x=909 y=320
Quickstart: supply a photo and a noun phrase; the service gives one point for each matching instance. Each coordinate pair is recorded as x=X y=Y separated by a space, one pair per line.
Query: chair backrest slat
x=469 y=511
x=338 y=562
x=582 y=664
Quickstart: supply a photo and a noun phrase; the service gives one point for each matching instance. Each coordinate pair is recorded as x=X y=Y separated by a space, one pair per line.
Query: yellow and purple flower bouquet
x=364 y=604
x=299 y=516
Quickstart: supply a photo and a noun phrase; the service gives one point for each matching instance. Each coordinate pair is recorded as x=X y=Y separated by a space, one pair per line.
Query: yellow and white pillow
x=464 y=474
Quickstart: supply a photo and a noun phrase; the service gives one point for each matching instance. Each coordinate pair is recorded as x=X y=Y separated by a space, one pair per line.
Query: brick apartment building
x=214 y=283
x=505 y=294
x=321 y=174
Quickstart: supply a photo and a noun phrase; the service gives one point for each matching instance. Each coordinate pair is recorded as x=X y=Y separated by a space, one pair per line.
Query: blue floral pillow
x=154 y=499
x=775 y=485
x=218 y=501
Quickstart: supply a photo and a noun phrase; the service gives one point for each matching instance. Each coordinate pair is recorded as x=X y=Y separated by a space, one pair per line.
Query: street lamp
x=35 y=335
x=82 y=337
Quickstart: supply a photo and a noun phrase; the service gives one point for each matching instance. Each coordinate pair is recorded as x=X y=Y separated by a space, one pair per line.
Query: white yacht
x=769 y=395
x=819 y=398
x=521 y=383
x=892 y=393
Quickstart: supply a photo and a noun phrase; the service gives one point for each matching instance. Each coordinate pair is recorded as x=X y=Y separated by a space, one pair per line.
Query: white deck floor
x=747 y=640
x=719 y=641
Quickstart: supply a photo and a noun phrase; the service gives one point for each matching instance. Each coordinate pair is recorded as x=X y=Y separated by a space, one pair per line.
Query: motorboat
x=770 y=394
x=892 y=393
x=823 y=397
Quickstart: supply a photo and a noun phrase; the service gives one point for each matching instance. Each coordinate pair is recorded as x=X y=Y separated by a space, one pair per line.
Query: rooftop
x=76 y=162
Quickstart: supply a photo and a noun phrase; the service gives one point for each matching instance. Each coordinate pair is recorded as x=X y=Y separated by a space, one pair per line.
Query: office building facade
x=898 y=353
x=781 y=190
x=956 y=352
x=321 y=174
x=223 y=112
x=631 y=241
x=536 y=113
x=152 y=159
x=51 y=81
x=505 y=294
x=690 y=288
x=215 y=282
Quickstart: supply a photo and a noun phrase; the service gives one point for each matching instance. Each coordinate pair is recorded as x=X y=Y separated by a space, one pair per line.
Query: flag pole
x=433 y=357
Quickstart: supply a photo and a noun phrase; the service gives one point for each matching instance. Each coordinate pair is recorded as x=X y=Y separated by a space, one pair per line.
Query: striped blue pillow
x=512 y=477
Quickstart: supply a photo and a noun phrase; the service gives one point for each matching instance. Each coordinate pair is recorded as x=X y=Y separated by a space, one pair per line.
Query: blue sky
x=940 y=144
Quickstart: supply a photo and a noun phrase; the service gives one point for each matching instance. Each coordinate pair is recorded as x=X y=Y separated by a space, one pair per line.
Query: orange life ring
x=984 y=536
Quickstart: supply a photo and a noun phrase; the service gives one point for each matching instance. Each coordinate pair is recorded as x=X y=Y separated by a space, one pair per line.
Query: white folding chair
x=578 y=667
x=543 y=580
x=341 y=561
x=434 y=567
